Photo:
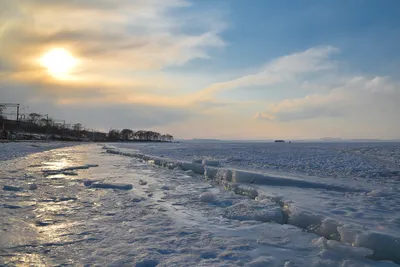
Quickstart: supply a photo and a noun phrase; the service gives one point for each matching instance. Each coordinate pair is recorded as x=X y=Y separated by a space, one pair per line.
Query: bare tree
x=43 y=122
x=77 y=127
x=169 y=137
x=2 y=108
x=34 y=118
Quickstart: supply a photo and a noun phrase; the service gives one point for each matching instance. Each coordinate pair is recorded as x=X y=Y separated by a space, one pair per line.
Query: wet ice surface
x=14 y=150
x=169 y=218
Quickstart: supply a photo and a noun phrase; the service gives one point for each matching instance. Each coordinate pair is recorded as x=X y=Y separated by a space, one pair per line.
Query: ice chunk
x=329 y=229
x=348 y=233
x=197 y=161
x=156 y=161
x=343 y=249
x=210 y=162
x=379 y=193
x=73 y=168
x=251 y=210
x=12 y=188
x=112 y=186
x=241 y=190
x=88 y=182
x=172 y=165
x=210 y=172
x=207 y=197
x=81 y=167
x=196 y=168
x=224 y=175
x=303 y=219
x=385 y=247
x=245 y=177
x=320 y=242
x=92 y=165
x=33 y=187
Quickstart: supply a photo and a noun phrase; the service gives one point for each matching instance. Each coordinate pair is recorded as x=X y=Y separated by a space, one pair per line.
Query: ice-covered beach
x=225 y=204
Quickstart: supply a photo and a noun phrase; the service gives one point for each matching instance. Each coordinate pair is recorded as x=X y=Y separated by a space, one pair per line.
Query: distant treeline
x=35 y=123
x=47 y=129
x=142 y=135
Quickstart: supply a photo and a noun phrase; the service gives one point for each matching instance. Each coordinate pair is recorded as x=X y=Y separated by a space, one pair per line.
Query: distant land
x=324 y=140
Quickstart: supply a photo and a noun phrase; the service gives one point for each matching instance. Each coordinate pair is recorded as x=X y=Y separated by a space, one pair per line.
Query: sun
x=59 y=62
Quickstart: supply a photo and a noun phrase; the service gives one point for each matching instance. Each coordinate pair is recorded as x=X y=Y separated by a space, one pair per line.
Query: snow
x=338 y=160
x=251 y=210
x=184 y=213
x=262 y=262
x=345 y=201
x=343 y=249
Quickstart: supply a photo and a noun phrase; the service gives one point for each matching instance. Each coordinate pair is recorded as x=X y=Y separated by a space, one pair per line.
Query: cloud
x=282 y=69
x=123 y=47
x=133 y=35
x=357 y=97
x=139 y=116
x=90 y=107
x=126 y=48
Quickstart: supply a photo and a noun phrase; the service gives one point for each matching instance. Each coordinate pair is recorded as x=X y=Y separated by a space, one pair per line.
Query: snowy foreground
x=190 y=207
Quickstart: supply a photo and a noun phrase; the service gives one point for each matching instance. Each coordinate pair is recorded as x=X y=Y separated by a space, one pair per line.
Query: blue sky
x=367 y=31
x=228 y=69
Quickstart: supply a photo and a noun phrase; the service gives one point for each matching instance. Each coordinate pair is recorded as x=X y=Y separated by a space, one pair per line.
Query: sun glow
x=59 y=62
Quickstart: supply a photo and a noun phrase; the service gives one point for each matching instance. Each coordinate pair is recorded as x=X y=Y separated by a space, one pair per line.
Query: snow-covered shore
x=171 y=217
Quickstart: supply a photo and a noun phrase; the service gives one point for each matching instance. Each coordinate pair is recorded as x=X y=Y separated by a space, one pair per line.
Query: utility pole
x=12 y=105
x=47 y=126
x=18 y=115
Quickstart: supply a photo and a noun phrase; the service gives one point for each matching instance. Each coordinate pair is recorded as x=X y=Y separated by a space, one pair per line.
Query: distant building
x=279 y=141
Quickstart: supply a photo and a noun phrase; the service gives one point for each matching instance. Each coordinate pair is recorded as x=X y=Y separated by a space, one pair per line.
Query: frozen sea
x=200 y=204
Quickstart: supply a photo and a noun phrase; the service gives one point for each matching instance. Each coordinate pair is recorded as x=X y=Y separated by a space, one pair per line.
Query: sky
x=226 y=69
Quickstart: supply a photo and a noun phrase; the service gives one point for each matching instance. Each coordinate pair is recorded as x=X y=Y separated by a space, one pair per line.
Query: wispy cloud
x=359 y=96
x=282 y=69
